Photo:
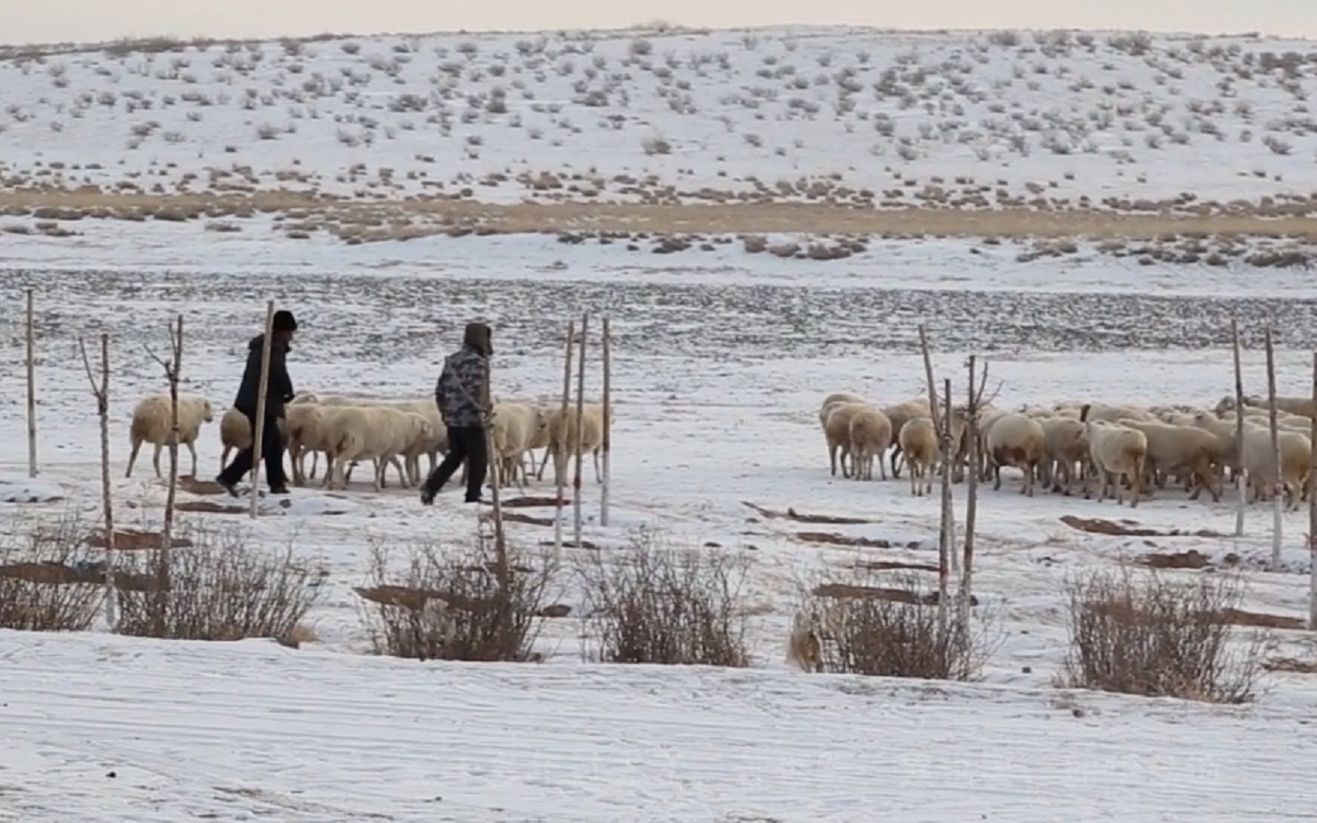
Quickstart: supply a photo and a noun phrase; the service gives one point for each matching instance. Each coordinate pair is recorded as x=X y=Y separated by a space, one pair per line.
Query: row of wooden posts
x=947 y=556
x=173 y=367
x=941 y=417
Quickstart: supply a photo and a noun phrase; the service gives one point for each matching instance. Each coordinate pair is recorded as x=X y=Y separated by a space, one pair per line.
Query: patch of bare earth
x=445 y=216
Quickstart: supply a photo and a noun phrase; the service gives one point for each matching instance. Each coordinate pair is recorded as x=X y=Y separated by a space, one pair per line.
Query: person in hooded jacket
x=463 y=397
x=278 y=392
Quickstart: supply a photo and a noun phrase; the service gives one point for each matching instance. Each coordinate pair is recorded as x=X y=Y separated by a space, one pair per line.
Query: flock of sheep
x=348 y=429
x=1121 y=446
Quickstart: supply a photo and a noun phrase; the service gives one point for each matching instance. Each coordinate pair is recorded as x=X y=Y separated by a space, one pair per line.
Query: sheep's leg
x=132 y=458
x=380 y=467
x=315 y=463
x=1138 y=487
x=403 y=480
x=545 y=462
x=913 y=491
x=896 y=452
x=996 y=471
x=156 y=459
x=192 y=447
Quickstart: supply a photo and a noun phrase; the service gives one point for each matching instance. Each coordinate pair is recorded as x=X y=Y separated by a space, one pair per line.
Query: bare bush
x=656 y=145
x=450 y=605
x=49 y=579
x=894 y=631
x=1154 y=637
x=1277 y=145
x=657 y=605
x=219 y=588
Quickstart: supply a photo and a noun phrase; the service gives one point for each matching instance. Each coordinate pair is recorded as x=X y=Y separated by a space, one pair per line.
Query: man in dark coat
x=463 y=397
x=278 y=391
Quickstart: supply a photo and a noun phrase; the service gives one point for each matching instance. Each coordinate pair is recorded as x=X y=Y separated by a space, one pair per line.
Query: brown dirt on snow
x=703 y=218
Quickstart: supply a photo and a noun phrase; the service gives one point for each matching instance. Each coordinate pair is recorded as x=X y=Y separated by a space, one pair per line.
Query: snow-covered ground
x=717 y=378
x=975 y=118
x=720 y=360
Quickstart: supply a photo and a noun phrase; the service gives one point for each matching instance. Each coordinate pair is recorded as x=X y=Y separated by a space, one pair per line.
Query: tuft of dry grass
x=50 y=580
x=1144 y=634
x=652 y=604
x=450 y=604
x=219 y=588
x=899 y=636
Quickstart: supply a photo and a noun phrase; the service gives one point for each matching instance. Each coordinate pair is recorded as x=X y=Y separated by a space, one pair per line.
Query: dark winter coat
x=278 y=386
x=461 y=391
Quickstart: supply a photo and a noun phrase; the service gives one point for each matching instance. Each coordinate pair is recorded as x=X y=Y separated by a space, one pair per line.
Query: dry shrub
x=450 y=605
x=1143 y=634
x=50 y=580
x=220 y=588
x=657 y=605
x=899 y=637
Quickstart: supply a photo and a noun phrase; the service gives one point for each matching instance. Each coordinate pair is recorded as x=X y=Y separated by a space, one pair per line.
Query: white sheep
x=562 y=438
x=1120 y=452
x=236 y=433
x=1181 y=450
x=153 y=423
x=1260 y=462
x=837 y=431
x=1016 y=440
x=899 y=414
x=829 y=403
x=918 y=441
x=376 y=433
x=1065 y=447
x=1108 y=413
x=307 y=434
x=516 y=426
x=870 y=435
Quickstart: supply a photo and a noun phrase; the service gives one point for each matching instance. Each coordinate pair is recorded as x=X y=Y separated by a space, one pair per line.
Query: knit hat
x=477 y=336
x=283 y=321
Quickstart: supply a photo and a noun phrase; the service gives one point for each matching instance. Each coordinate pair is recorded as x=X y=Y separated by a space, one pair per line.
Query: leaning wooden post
x=258 y=426
x=949 y=513
x=102 y=393
x=1277 y=488
x=558 y=438
x=1241 y=479
x=167 y=532
x=607 y=443
x=580 y=427
x=972 y=501
x=1312 y=505
x=31 y=389
x=944 y=440
x=501 y=570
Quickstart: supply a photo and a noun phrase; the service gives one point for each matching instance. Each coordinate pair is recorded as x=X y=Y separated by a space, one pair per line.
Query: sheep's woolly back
x=152 y=418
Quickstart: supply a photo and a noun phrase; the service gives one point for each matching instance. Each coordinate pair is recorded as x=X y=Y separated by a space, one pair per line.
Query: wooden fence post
x=173 y=371
x=31 y=388
x=558 y=438
x=1277 y=489
x=258 y=425
x=1312 y=506
x=580 y=427
x=607 y=444
x=1241 y=479
x=102 y=393
x=943 y=432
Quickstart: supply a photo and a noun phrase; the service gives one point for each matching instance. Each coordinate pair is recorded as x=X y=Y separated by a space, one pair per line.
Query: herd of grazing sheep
x=348 y=429
x=1122 y=447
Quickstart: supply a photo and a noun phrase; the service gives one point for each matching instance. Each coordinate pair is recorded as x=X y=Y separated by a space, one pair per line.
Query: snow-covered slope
x=840 y=115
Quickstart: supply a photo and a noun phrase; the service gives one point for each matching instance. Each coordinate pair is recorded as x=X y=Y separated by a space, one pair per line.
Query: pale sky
x=28 y=21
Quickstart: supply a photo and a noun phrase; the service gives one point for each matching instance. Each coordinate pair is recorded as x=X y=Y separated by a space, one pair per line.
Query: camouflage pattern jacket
x=461 y=389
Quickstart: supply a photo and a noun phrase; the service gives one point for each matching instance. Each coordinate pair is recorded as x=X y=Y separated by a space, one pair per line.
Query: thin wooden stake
x=944 y=439
x=1312 y=506
x=558 y=438
x=258 y=428
x=1241 y=481
x=501 y=570
x=1277 y=489
x=607 y=444
x=948 y=511
x=31 y=388
x=102 y=393
x=580 y=427
x=172 y=371
x=972 y=502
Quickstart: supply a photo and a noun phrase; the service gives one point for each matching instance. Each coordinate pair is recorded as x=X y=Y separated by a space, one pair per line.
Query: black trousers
x=272 y=452
x=464 y=443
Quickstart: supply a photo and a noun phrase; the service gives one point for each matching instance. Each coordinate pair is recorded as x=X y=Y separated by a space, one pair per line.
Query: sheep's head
x=207 y=413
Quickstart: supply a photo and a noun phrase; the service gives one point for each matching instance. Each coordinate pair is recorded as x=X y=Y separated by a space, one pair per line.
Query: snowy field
x=718 y=376
x=721 y=358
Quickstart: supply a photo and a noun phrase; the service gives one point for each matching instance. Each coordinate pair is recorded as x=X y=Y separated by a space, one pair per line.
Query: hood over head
x=478 y=337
